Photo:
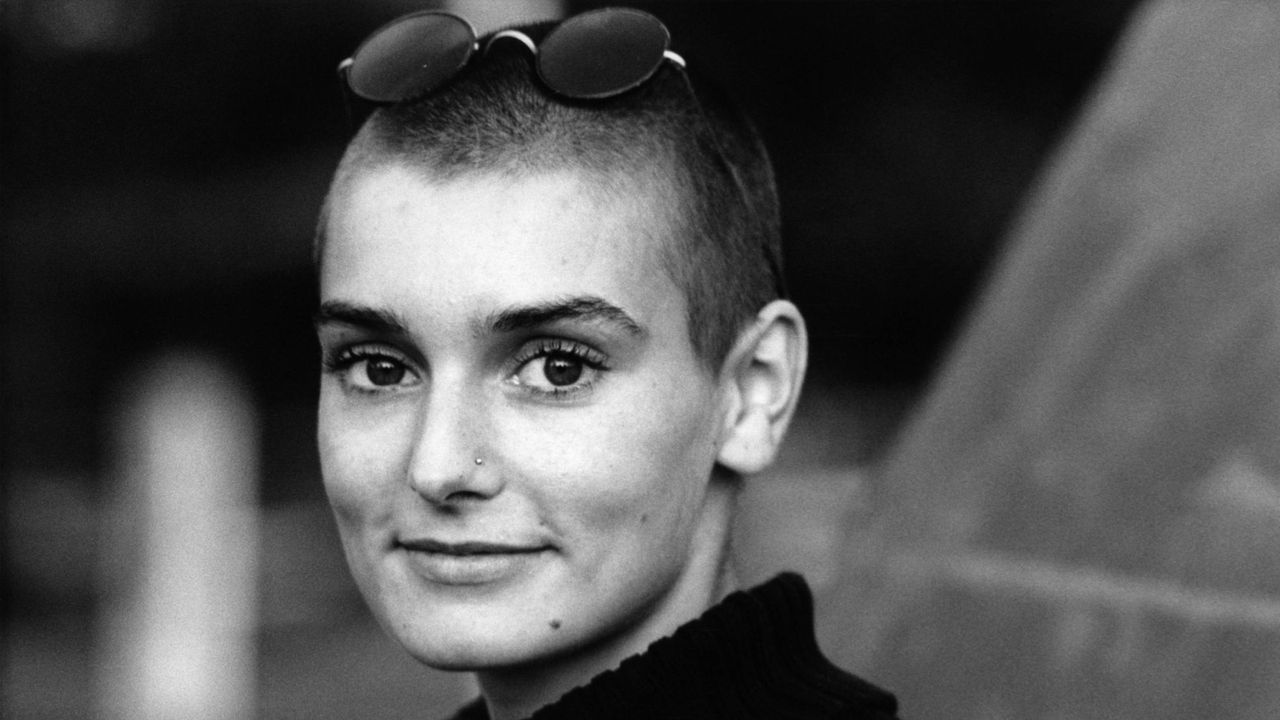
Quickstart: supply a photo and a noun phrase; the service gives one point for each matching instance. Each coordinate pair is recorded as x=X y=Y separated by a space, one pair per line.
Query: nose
x=447 y=464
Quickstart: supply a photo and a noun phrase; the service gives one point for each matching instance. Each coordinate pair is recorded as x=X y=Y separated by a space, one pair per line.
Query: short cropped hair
x=698 y=152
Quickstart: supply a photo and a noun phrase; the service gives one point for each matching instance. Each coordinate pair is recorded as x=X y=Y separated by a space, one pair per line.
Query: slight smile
x=469 y=562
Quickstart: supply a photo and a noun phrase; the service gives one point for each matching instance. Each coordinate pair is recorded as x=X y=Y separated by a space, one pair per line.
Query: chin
x=452 y=659
x=471 y=636
x=476 y=652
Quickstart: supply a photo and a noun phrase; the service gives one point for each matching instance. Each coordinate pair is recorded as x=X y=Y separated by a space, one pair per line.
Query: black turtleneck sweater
x=751 y=656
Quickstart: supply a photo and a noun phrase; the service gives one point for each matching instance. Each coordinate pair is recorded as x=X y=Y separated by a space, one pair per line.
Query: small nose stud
x=479 y=461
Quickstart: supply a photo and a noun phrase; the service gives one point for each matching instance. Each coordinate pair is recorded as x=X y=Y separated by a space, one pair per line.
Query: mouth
x=473 y=562
x=468 y=548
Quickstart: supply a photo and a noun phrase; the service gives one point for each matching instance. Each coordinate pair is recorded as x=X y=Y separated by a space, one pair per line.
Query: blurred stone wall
x=1083 y=518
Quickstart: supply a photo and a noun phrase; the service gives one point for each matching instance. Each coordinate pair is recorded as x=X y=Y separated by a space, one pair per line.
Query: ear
x=761 y=379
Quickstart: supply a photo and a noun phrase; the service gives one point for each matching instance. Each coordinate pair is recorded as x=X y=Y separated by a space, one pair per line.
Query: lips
x=471 y=563
x=468 y=548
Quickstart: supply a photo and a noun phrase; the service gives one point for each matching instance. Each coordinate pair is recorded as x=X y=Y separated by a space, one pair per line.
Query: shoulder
x=754 y=655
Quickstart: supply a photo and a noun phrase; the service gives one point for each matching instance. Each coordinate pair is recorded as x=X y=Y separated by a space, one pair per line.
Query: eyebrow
x=336 y=311
x=589 y=308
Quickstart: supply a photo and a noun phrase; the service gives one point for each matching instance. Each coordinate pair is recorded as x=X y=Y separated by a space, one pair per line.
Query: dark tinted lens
x=410 y=56
x=602 y=53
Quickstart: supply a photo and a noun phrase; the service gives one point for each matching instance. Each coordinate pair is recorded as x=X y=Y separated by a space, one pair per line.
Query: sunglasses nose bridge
x=514 y=35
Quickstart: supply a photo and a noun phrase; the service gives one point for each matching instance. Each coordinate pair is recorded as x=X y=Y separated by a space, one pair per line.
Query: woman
x=555 y=342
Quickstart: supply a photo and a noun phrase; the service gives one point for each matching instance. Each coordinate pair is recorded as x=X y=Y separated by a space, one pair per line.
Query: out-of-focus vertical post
x=177 y=637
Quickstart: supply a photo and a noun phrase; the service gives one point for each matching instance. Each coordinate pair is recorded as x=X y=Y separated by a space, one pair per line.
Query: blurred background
x=1034 y=474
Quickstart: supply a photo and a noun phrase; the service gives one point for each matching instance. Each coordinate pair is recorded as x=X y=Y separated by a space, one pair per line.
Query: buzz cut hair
x=700 y=156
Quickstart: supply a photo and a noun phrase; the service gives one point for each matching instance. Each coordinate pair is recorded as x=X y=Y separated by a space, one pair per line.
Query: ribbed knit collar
x=751 y=656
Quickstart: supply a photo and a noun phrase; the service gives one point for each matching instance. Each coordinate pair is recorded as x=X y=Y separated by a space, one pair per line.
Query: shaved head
x=696 y=156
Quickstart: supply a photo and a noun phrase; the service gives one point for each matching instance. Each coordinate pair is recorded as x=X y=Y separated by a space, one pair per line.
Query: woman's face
x=515 y=433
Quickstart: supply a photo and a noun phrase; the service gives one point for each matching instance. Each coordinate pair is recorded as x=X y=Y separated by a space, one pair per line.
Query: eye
x=372 y=369
x=557 y=369
x=558 y=366
x=383 y=371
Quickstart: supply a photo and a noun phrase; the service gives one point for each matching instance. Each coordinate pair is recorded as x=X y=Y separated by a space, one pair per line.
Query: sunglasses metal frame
x=472 y=47
x=344 y=69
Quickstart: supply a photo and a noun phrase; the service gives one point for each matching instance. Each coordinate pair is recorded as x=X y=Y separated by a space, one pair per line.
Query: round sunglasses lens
x=410 y=56
x=602 y=53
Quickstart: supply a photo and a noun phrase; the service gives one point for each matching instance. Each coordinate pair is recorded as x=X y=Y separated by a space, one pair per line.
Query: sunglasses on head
x=597 y=54
x=594 y=55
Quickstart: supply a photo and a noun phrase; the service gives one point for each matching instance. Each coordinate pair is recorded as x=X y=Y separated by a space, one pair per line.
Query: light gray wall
x=1083 y=518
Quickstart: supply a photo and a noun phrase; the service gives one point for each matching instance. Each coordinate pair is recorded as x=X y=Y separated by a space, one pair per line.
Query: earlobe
x=762 y=376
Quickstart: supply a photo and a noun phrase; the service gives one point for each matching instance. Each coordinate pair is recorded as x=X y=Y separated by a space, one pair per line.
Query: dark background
x=163 y=162
x=160 y=187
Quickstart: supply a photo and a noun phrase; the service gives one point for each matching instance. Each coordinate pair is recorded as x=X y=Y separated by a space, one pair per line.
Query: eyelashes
x=371 y=368
x=553 y=368
x=558 y=367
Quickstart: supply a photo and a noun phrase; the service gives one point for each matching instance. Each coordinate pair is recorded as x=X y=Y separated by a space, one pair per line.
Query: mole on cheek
x=555 y=624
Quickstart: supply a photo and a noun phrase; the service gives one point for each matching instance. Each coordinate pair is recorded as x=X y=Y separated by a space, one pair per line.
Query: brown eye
x=558 y=368
x=561 y=370
x=371 y=368
x=384 y=371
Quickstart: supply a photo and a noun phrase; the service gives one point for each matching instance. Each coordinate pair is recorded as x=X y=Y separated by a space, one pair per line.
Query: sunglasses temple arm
x=344 y=67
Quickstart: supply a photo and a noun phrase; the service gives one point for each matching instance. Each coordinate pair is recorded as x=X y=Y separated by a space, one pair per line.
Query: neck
x=512 y=693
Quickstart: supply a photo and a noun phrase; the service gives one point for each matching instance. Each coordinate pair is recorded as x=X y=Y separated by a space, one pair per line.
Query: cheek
x=641 y=469
x=361 y=464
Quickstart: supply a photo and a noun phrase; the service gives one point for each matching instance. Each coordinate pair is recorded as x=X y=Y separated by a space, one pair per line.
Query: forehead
x=396 y=236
